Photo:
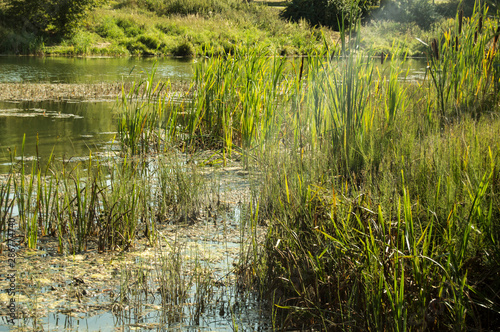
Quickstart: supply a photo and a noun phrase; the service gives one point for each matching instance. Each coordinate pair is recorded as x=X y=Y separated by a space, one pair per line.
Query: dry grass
x=87 y=92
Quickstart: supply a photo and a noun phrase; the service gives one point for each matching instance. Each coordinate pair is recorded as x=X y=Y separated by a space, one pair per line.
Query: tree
x=332 y=13
x=52 y=18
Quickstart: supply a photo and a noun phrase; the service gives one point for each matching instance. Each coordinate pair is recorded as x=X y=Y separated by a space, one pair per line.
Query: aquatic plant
x=392 y=227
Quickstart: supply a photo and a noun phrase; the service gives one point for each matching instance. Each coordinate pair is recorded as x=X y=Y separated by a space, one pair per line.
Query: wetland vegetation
x=354 y=196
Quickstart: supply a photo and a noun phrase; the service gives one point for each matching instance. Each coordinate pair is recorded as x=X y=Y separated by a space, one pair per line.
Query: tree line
x=46 y=18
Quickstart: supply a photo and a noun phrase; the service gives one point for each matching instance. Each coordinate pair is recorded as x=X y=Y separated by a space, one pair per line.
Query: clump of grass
x=464 y=49
x=381 y=210
x=145 y=116
x=88 y=204
x=184 y=49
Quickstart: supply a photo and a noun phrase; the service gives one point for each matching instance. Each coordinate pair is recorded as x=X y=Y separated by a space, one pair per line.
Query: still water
x=66 y=128
x=90 y=70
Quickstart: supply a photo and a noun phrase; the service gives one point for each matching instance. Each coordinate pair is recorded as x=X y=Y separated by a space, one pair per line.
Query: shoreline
x=18 y=92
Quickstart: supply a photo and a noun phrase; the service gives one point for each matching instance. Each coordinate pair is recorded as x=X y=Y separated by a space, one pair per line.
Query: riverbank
x=197 y=28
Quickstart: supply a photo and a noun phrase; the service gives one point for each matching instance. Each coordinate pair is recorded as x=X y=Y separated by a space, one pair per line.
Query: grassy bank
x=174 y=28
x=207 y=28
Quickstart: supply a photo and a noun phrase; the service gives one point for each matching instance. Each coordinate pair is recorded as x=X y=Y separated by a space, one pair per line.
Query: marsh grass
x=102 y=206
x=466 y=48
x=381 y=193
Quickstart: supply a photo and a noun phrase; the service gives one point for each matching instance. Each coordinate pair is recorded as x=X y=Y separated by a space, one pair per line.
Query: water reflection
x=89 y=70
x=68 y=129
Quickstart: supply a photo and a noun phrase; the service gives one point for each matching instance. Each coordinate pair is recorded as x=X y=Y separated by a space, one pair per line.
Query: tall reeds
x=110 y=204
x=461 y=65
x=235 y=101
x=381 y=204
x=148 y=116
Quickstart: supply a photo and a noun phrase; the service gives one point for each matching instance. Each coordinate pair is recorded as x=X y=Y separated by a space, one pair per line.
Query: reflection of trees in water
x=67 y=129
x=89 y=70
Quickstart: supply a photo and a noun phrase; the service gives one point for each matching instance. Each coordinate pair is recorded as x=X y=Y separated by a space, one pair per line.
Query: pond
x=81 y=292
x=69 y=127
x=90 y=70
x=98 y=291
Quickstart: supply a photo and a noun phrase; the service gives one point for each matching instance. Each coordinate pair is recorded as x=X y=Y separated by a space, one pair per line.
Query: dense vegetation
x=197 y=27
x=381 y=194
x=153 y=27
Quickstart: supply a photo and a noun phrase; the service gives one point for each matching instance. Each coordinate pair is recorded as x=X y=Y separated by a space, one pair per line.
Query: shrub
x=151 y=42
x=57 y=18
x=82 y=42
x=171 y=28
x=185 y=48
x=420 y=12
x=331 y=13
x=130 y=27
x=108 y=29
x=137 y=48
x=20 y=42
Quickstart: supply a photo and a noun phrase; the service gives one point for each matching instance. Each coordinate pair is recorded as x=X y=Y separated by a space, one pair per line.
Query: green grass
x=207 y=28
x=381 y=194
x=383 y=203
x=173 y=28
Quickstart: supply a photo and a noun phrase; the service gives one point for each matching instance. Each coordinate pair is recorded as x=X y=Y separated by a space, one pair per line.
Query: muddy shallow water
x=187 y=278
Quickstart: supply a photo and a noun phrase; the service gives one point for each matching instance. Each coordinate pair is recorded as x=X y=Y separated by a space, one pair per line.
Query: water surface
x=90 y=70
x=65 y=128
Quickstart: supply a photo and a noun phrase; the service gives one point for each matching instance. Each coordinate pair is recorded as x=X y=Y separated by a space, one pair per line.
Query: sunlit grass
x=380 y=194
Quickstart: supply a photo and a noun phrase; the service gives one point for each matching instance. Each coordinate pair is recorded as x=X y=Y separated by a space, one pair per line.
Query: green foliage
x=218 y=27
x=191 y=7
x=108 y=28
x=331 y=13
x=130 y=27
x=185 y=48
x=380 y=195
x=48 y=17
x=20 y=43
x=81 y=42
x=420 y=12
x=171 y=28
